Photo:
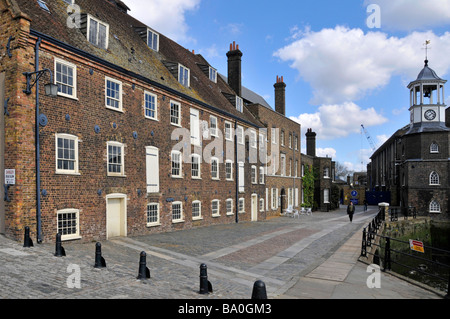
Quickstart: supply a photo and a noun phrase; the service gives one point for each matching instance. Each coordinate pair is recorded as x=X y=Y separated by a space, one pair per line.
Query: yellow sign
x=416 y=246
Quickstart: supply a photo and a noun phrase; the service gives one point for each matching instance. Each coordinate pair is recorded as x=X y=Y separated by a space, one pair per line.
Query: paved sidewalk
x=311 y=257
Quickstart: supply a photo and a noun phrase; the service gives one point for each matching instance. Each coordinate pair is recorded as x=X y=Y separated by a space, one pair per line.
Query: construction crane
x=369 y=138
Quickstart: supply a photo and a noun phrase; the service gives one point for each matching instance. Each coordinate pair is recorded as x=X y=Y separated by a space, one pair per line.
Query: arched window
x=434 y=178
x=434 y=148
x=435 y=207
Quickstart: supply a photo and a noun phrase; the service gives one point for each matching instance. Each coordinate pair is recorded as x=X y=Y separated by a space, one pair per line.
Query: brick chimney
x=310 y=143
x=235 y=69
x=280 y=96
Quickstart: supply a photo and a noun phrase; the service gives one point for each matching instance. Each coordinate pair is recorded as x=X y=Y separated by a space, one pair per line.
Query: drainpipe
x=38 y=168
x=236 y=171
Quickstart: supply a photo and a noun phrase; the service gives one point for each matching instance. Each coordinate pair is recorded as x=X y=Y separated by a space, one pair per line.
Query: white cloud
x=381 y=139
x=343 y=64
x=412 y=14
x=165 y=16
x=326 y=152
x=339 y=120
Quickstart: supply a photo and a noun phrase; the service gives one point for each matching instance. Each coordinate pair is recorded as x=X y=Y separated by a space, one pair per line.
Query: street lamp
x=51 y=89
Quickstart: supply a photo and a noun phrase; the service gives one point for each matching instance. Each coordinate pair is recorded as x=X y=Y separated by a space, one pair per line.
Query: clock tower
x=427 y=100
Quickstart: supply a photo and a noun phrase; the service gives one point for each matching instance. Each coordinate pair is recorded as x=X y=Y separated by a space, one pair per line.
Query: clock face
x=430 y=115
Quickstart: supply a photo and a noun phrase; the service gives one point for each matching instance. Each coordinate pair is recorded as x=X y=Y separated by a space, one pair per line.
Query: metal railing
x=437 y=267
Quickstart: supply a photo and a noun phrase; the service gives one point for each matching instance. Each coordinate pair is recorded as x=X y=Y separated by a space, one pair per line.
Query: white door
x=116 y=216
x=254 y=208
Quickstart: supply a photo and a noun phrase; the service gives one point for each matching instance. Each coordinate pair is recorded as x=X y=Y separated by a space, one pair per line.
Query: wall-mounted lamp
x=51 y=89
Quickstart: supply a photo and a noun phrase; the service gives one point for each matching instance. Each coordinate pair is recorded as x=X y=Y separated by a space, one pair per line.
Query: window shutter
x=195 y=127
x=152 y=162
x=241 y=177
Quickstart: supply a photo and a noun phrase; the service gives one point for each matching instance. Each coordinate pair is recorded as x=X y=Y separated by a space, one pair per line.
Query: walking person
x=350 y=211
x=365 y=205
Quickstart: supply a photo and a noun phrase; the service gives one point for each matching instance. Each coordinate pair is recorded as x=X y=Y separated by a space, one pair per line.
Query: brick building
x=413 y=164
x=143 y=136
x=324 y=169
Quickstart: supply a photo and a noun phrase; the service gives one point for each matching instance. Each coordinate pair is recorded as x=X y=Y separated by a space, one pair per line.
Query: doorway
x=254 y=208
x=116 y=215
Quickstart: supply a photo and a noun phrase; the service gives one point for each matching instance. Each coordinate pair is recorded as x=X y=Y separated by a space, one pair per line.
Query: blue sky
x=340 y=72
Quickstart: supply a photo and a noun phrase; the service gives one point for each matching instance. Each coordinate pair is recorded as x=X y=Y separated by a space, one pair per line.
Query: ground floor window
x=68 y=223
x=152 y=214
x=196 y=210
x=177 y=212
x=435 y=207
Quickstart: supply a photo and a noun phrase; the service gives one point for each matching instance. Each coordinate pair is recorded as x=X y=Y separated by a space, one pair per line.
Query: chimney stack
x=311 y=143
x=280 y=96
x=235 y=69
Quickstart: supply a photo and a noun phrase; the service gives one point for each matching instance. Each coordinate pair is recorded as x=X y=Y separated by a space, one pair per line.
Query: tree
x=342 y=171
x=308 y=187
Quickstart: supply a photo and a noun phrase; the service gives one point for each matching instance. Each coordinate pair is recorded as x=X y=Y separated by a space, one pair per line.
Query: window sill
x=153 y=225
x=178 y=221
x=67 y=173
x=114 y=109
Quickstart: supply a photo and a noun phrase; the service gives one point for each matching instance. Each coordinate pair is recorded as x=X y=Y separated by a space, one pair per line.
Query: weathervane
x=426 y=44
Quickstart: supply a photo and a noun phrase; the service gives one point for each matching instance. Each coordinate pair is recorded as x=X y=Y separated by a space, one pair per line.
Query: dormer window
x=213 y=74
x=153 y=40
x=239 y=104
x=97 y=32
x=43 y=5
x=183 y=75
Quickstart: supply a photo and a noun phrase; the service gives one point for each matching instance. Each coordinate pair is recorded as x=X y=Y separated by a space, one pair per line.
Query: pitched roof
x=129 y=51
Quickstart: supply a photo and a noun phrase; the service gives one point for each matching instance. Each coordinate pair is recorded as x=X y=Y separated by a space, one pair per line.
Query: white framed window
x=435 y=207
x=240 y=134
x=152 y=214
x=116 y=163
x=253 y=139
x=229 y=170
x=183 y=75
x=290 y=140
x=215 y=208
x=195 y=166
x=326 y=172
x=66 y=78
x=113 y=94
x=239 y=104
x=68 y=223
x=153 y=40
x=195 y=127
x=274 y=136
x=177 y=212
x=213 y=74
x=66 y=153
x=176 y=164
x=282 y=137
x=434 y=148
x=229 y=204
x=214 y=168
x=213 y=126
x=296 y=143
x=283 y=165
x=241 y=205
x=97 y=32
x=254 y=175
x=152 y=169
x=196 y=210
x=175 y=113
x=434 y=178
x=261 y=204
x=150 y=106
x=261 y=175
x=228 y=131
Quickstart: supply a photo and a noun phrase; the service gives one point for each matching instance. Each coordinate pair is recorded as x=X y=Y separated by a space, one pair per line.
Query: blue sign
x=354 y=193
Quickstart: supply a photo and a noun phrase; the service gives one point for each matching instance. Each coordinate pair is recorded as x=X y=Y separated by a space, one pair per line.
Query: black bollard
x=27 y=241
x=205 y=285
x=99 y=260
x=144 y=272
x=60 y=252
x=259 y=290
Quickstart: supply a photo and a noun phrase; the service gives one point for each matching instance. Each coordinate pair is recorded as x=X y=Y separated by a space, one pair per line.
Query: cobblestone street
x=279 y=252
